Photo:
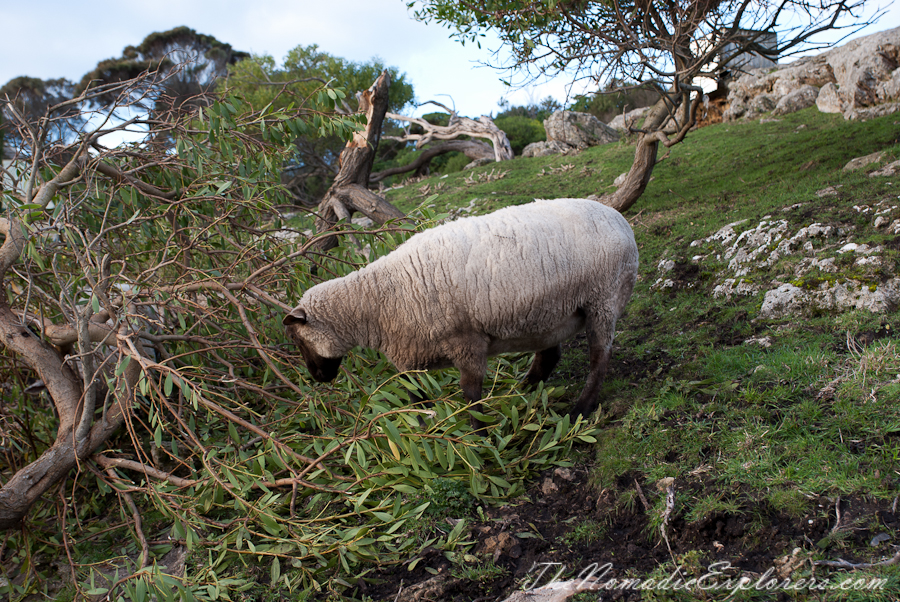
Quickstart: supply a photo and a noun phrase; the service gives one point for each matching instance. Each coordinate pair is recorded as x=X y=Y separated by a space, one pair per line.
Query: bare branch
x=147 y=471
x=458 y=126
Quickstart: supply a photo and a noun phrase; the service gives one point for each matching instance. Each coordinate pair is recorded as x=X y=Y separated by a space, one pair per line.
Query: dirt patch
x=548 y=530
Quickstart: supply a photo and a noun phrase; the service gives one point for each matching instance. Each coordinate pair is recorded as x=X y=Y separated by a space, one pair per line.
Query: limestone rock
x=666 y=265
x=764 y=342
x=546 y=148
x=632 y=117
x=858 y=79
x=862 y=162
x=828 y=100
x=731 y=287
x=827 y=192
x=890 y=88
x=762 y=103
x=580 y=130
x=889 y=170
x=866 y=113
x=788 y=299
x=864 y=69
x=797 y=100
x=774 y=83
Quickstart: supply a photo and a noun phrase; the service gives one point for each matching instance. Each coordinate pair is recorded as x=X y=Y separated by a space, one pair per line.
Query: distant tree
x=667 y=43
x=305 y=70
x=521 y=131
x=540 y=111
x=188 y=66
x=34 y=99
x=524 y=124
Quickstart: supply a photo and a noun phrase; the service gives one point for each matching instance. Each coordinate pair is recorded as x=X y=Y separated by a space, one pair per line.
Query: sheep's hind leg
x=600 y=333
x=542 y=366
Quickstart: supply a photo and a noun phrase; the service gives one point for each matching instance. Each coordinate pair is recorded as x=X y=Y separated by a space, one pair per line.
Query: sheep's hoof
x=585 y=410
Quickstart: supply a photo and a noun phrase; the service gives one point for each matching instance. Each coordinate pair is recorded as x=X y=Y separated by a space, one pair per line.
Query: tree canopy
x=634 y=40
x=33 y=98
x=669 y=44
x=143 y=287
x=262 y=82
x=189 y=64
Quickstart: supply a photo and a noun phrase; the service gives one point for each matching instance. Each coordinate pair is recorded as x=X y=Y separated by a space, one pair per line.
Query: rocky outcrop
x=862 y=162
x=580 y=130
x=631 y=118
x=759 y=91
x=828 y=100
x=797 y=270
x=888 y=171
x=799 y=99
x=865 y=70
x=789 y=299
x=546 y=148
x=858 y=80
x=569 y=131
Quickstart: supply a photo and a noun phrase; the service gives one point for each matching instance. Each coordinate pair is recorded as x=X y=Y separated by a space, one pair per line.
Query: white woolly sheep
x=520 y=279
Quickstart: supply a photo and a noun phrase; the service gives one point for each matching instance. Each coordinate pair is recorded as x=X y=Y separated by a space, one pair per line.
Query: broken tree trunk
x=483 y=127
x=472 y=149
x=349 y=192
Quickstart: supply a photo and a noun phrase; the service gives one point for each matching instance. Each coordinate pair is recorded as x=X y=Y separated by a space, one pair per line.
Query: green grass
x=806 y=416
x=745 y=430
x=586 y=532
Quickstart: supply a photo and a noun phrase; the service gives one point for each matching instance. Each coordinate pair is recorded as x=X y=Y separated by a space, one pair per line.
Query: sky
x=66 y=38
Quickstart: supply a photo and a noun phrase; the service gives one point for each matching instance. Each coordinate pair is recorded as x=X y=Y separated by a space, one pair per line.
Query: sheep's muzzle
x=323 y=369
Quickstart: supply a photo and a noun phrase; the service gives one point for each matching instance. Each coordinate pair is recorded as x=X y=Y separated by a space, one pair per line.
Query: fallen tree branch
x=27 y=485
x=138 y=524
x=483 y=127
x=472 y=149
x=148 y=471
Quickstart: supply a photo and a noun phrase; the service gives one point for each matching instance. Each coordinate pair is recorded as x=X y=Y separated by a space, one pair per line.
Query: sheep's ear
x=297 y=316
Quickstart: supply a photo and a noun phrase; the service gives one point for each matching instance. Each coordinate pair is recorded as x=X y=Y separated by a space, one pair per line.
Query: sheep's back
x=504 y=273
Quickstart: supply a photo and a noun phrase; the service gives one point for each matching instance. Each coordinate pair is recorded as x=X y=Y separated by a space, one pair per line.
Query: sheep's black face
x=322 y=369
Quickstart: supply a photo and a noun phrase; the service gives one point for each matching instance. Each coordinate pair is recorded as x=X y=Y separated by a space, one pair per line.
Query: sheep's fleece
x=520 y=279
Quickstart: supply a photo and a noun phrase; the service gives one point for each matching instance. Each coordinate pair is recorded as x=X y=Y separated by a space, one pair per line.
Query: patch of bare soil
x=538 y=534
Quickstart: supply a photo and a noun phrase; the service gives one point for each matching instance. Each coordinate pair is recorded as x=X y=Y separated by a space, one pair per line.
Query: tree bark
x=25 y=487
x=65 y=388
x=349 y=192
x=472 y=149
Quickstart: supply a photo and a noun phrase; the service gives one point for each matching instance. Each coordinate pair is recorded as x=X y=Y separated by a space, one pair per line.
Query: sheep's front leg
x=542 y=366
x=471 y=360
x=600 y=330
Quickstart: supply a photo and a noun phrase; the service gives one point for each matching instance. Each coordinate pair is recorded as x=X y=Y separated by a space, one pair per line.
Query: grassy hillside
x=723 y=436
x=763 y=441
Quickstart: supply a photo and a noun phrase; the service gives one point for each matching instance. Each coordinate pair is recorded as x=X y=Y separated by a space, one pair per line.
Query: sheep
x=521 y=279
